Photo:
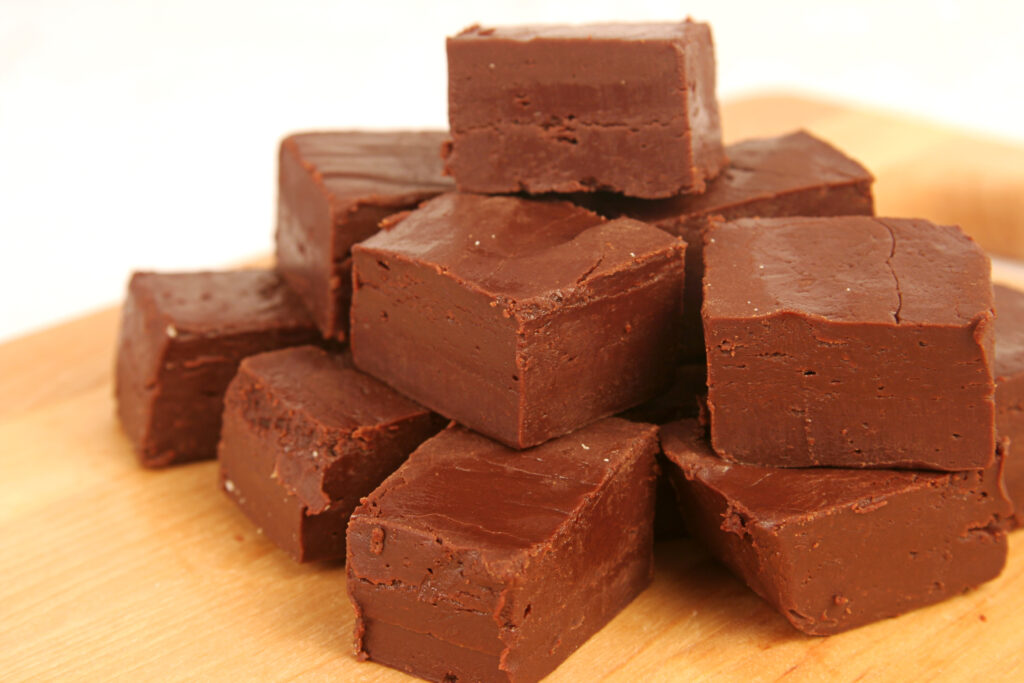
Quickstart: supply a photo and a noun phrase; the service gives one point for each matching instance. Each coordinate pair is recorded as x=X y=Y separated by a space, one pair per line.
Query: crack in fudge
x=1009 y=371
x=520 y=319
x=833 y=549
x=627 y=108
x=477 y=562
x=305 y=437
x=333 y=190
x=182 y=337
x=849 y=342
x=789 y=175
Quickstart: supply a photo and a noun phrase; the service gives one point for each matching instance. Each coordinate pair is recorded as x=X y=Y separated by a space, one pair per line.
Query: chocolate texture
x=182 y=337
x=334 y=188
x=305 y=437
x=1009 y=372
x=789 y=175
x=625 y=108
x=520 y=319
x=475 y=562
x=833 y=549
x=849 y=342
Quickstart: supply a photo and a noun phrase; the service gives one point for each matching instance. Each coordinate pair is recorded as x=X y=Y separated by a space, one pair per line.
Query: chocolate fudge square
x=789 y=175
x=520 y=319
x=833 y=549
x=305 y=437
x=626 y=108
x=1009 y=371
x=475 y=562
x=182 y=337
x=333 y=190
x=849 y=342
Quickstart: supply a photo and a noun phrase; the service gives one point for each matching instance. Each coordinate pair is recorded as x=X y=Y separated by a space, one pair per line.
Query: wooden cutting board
x=108 y=571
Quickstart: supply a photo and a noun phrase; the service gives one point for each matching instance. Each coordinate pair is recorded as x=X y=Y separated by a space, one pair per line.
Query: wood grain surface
x=112 y=572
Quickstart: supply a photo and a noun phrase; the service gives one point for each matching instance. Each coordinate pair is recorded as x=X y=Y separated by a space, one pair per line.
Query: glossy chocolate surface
x=833 y=549
x=849 y=342
x=182 y=337
x=1009 y=371
x=789 y=175
x=625 y=108
x=477 y=562
x=520 y=319
x=305 y=437
x=334 y=188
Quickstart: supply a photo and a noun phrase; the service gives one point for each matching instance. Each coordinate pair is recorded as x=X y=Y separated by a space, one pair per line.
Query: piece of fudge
x=626 y=108
x=182 y=337
x=475 y=562
x=849 y=342
x=521 y=319
x=833 y=549
x=790 y=175
x=1009 y=372
x=305 y=437
x=333 y=190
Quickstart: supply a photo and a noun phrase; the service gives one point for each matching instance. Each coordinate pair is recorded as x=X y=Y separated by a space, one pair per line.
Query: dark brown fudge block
x=521 y=319
x=1009 y=371
x=833 y=549
x=475 y=562
x=849 y=342
x=790 y=175
x=305 y=437
x=627 y=108
x=333 y=190
x=182 y=337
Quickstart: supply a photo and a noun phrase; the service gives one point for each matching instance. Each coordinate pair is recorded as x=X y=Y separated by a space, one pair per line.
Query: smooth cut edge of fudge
x=761 y=522
x=581 y=143
x=498 y=314
x=194 y=328
x=477 y=562
x=305 y=437
x=1009 y=371
x=334 y=188
x=806 y=303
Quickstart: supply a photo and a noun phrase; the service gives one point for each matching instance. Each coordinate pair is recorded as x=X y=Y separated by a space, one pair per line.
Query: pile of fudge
x=482 y=354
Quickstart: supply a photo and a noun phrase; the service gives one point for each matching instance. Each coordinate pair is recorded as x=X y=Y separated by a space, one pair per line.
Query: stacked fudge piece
x=862 y=347
x=596 y=264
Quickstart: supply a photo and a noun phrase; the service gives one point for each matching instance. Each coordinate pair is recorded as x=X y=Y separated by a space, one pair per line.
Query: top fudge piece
x=1009 y=371
x=626 y=108
x=850 y=342
x=333 y=190
x=832 y=548
x=182 y=338
x=520 y=319
x=790 y=175
x=473 y=562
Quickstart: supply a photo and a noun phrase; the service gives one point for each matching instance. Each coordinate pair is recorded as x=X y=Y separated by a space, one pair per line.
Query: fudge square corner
x=520 y=319
x=850 y=342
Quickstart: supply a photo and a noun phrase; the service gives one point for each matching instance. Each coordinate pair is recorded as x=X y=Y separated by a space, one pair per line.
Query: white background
x=138 y=134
